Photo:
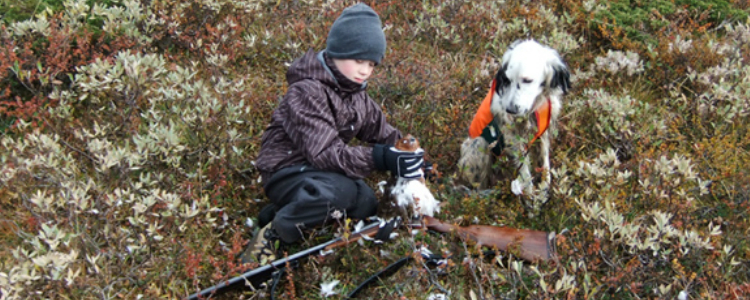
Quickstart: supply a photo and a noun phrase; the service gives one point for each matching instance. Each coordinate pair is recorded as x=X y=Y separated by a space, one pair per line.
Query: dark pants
x=306 y=197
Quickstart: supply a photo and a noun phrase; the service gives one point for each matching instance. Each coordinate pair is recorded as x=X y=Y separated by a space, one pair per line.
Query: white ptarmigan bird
x=413 y=192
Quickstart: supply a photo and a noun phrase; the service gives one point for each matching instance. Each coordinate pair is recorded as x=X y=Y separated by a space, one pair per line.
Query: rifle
x=532 y=245
x=261 y=274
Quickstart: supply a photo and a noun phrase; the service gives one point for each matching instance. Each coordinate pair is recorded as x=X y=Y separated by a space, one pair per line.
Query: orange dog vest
x=484 y=116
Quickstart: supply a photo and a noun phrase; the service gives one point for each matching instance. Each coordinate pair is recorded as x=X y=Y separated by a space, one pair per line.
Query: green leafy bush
x=16 y=10
x=640 y=20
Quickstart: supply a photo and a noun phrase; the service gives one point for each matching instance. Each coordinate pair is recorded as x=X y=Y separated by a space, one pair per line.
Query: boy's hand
x=405 y=164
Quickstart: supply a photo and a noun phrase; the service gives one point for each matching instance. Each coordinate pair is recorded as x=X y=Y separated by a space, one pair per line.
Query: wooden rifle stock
x=532 y=245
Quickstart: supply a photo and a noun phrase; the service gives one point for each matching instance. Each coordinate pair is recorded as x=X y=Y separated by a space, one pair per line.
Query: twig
x=604 y=258
x=433 y=280
x=471 y=268
x=437 y=285
x=77 y=150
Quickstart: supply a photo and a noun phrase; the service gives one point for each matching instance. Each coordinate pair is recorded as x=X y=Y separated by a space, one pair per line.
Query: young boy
x=309 y=172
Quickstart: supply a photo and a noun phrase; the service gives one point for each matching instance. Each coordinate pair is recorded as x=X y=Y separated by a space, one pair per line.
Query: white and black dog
x=523 y=104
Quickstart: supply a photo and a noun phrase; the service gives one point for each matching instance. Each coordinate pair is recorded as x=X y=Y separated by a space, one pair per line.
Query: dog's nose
x=512 y=110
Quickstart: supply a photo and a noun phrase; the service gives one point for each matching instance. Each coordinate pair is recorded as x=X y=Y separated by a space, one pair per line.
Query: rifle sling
x=387 y=271
x=431 y=259
x=276 y=278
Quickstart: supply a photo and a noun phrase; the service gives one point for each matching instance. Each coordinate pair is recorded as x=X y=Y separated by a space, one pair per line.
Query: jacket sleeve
x=312 y=128
x=376 y=130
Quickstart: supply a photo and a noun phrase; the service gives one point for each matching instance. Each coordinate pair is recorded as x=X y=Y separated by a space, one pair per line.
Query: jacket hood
x=313 y=66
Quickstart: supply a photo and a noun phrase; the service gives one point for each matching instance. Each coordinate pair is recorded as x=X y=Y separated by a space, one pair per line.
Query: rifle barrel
x=255 y=276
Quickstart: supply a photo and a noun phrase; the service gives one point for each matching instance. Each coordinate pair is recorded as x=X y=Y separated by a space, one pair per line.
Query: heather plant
x=14 y=11
x=42 y=53
x=644 y=231
x=725 y=85
x=130 y=129
x=143 y=167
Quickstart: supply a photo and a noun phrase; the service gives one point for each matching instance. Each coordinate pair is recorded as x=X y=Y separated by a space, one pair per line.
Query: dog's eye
x=527 y=80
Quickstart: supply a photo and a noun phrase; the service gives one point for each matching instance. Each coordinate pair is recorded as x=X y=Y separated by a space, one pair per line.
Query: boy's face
x=356 y=70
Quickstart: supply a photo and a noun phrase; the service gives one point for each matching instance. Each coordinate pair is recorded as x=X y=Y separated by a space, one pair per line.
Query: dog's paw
x=516 y=187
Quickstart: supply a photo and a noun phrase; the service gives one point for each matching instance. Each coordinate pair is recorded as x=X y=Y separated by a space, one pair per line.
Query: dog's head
x=530 y=72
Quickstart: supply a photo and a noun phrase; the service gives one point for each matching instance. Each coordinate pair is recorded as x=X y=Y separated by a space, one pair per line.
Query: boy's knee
x=365 y=204
x=288 y=232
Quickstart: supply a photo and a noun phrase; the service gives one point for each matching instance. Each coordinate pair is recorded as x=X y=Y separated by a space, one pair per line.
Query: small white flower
x=437 y=297
x=683 y=295
x=424 y=251
x=381 y=186
x=249 y=223
x=384 y=253
x=336 y=214
x=516 y=187
x=326 y=289
x=358 y=227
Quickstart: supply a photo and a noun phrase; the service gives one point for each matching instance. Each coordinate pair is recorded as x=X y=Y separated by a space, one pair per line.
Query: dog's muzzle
x=513 y=110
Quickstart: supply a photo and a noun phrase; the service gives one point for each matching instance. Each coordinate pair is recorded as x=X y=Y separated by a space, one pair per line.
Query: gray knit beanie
x=357 y=34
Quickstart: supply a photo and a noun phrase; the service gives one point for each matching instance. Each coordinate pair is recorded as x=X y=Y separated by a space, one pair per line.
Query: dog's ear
x=560 y=76
x=502 y=82
x=515 y=43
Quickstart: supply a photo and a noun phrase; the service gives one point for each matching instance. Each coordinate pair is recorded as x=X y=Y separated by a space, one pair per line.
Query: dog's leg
x=475 y=163
x=524 y=176
x=544 y=154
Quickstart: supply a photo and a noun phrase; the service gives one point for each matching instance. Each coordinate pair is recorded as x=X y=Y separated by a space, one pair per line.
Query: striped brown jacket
x=319 y=115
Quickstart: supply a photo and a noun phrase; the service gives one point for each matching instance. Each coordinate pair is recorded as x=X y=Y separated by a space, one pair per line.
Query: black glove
x=405 y=164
